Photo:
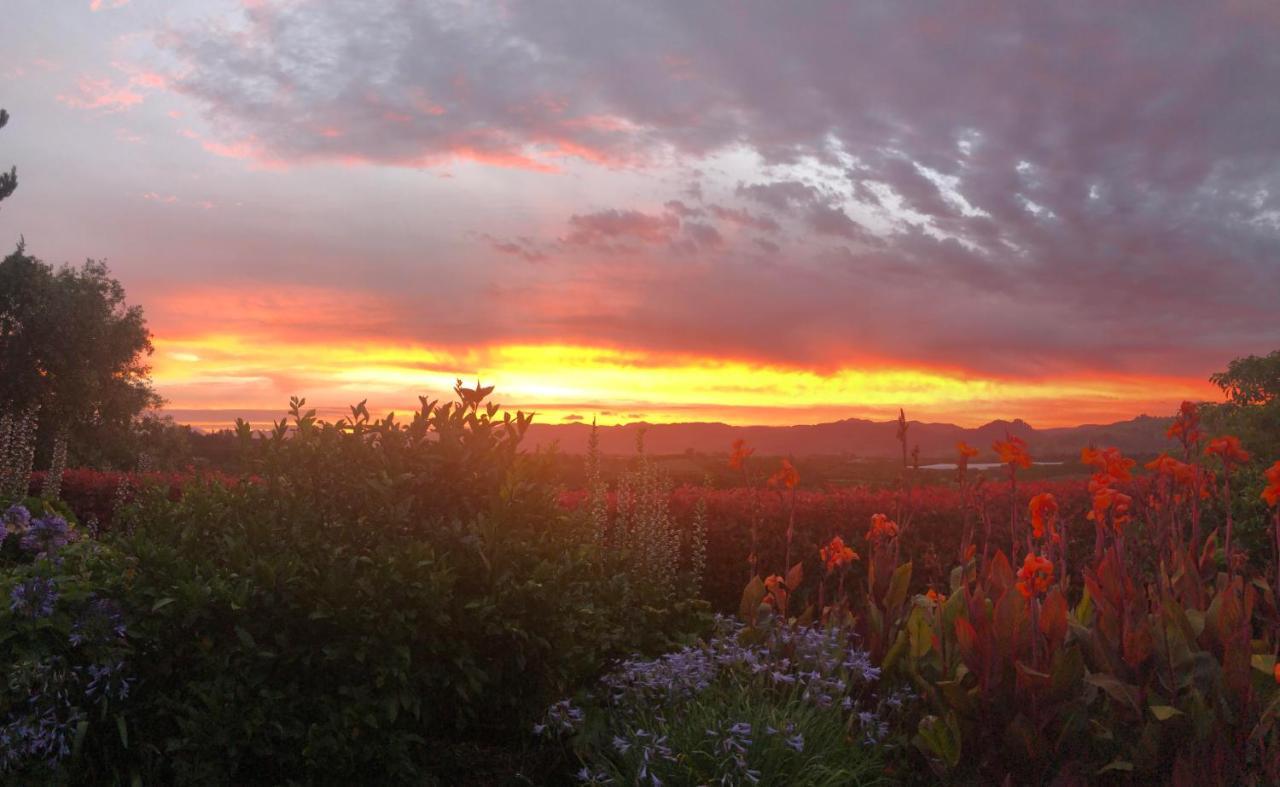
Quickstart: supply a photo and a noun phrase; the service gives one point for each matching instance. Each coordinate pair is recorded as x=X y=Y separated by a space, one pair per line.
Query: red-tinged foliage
x=94 y=495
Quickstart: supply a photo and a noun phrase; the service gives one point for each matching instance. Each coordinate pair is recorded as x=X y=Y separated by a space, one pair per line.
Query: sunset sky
x=753 y=212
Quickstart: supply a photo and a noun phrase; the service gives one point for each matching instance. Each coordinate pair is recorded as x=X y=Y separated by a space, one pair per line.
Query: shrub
x=62 y=639
x=372 y=592
x=792 y=706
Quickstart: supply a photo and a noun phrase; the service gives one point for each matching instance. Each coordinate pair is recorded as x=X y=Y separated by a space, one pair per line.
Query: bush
x=373 y=592
x=791 y=706
x=62 y=638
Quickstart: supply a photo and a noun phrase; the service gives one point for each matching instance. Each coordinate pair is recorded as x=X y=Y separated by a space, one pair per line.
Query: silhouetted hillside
x=855 y=436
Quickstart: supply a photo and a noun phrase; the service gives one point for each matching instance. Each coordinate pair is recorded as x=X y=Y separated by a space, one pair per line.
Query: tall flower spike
x=1013 y=451
x=1044 y=509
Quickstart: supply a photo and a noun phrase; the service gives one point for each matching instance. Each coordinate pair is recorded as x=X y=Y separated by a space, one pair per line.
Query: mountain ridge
x=855 y=436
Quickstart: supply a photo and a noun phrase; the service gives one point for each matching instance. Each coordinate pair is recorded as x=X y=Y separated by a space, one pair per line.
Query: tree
x=1252 y=410
x=8 y=180
x=1253 y=380
x=70 y=345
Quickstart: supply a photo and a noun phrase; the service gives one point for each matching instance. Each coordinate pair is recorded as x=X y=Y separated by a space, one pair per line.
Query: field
x=415 y=601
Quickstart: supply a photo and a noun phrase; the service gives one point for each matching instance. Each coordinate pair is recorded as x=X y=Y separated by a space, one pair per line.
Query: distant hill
x=856 y=436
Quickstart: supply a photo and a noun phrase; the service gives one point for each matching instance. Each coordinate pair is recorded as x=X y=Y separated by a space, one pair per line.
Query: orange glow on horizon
x=226 y=372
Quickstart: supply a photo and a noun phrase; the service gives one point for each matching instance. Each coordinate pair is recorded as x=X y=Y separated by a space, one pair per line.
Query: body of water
x=975 y=465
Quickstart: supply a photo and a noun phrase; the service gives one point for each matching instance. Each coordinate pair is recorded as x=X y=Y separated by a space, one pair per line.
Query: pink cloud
x=100 y=94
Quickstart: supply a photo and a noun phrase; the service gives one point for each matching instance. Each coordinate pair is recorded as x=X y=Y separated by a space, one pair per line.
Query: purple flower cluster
x=41 y=728
x=102 y=621
x=45 y=737
x=560 y=719
x=16 y=519
x=732 y=744
x=34 y=598
x=821 y=668
x=107 y=681
x=46 y=535
x=650 y=748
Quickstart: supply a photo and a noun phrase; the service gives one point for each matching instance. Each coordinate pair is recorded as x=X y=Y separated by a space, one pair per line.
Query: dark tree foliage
x=1252 y=380
x=8 y=180
x=1252 y=410
x=70 y=344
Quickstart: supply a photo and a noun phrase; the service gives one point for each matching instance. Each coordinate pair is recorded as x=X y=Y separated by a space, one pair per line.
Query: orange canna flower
x=1121 y=510
x=1044 y=509
x=1180 y=472
x=1108 y=461
x=935 y=597
x=1227 y=448
x=1013 y=451
x=882 y=529
x=1272 y=493
x=1275 y=671
x=836 y=554
x=773 y=584
x=965 y=450
x=739 y=454
x=1035 y=576
x=786 y=476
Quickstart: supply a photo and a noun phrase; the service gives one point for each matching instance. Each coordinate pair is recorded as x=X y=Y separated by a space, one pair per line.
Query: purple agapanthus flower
x=46 y=535
x=102 y=621
x=34 y=598
x=16 y=519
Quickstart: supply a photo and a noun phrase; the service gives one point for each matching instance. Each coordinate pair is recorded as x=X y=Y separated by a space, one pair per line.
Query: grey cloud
x=1119 y=163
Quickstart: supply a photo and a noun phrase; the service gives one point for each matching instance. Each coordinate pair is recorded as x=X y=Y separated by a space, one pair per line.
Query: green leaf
x=162 y=603
x=1164 y=712
x=246 y=638
x=897 y=592
x=1119 y=691
x=123 y=729
x=752 y=595
x=1116 y=765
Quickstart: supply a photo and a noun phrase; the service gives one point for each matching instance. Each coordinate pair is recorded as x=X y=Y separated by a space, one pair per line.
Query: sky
x=751 y=212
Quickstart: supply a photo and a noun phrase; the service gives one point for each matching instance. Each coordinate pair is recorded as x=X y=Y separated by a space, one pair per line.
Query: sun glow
x=563 y=382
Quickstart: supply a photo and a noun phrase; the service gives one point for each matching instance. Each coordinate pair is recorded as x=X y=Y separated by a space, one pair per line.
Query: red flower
x=882 y=529
x=1035 y=576
x=1044 y=508
x=739 y=454
x=1227 y=448
x=965 y=450
x=936 y=597
x=786 y=476
x=836 y=554
x=1272 y=493
x=1013 y=452
x=1109 y=461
